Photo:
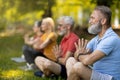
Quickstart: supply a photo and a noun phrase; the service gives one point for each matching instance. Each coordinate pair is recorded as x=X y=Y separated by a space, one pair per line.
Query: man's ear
x=103 y=21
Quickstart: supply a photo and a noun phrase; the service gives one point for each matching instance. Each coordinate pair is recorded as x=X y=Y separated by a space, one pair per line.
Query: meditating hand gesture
x=81 y=48
x=57 y=51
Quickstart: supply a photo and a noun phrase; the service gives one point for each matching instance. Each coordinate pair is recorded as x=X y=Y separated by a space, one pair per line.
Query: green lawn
x=9 y=70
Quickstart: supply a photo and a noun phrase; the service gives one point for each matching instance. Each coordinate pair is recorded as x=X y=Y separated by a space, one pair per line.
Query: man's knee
x=47 y=64
x=78 y=68
x=38 y=59
x=69 y=61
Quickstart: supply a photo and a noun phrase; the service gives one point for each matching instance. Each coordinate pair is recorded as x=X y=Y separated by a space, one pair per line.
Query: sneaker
x=27 y=67
x=54 y=77
x=39 y=74
x=30 y=66
x=18 y=59
x=22 y=56
x=34 y=66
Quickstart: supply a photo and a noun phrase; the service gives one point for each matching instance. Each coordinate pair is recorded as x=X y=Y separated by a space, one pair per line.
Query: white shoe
x=18 y=59
x=22 y=56
x=27 y=67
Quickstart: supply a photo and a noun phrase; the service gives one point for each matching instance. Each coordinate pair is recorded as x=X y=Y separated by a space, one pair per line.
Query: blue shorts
x=99 y=76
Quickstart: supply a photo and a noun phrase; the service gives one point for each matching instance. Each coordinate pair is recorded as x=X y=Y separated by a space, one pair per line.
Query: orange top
x=48 y=49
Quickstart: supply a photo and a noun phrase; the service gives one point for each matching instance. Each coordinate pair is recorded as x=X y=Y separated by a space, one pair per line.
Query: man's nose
x=58 y=28
x=90 y=21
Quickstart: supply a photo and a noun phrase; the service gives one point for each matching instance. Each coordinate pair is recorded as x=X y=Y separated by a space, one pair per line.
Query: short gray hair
x=67 y=19
x=106 y=12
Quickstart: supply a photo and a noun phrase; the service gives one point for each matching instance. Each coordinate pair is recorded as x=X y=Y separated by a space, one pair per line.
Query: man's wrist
x=79 y=55
x=58 y=59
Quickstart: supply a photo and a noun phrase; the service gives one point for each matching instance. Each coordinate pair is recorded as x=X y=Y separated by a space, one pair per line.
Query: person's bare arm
x=63 y=60
x=89 y=59
x=42 y=45
x=83 y=55
x=30 y=40
x=58 y=53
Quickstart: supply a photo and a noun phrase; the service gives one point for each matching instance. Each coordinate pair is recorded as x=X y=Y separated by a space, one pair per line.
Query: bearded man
x=102 y=52
x=62 y=52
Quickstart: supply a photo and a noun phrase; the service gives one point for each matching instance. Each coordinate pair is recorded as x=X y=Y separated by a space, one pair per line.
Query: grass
x=11 y=46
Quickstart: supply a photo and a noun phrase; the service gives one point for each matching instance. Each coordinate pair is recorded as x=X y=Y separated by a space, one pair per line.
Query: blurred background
x=17 y=17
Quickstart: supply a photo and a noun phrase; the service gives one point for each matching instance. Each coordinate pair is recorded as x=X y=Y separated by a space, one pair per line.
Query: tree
x=103 y=2
x=11 y=11
x=25 y=6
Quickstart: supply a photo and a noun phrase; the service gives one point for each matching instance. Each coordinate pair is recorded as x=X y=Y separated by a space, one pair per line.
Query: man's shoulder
x=74 y=36
x=93 y=39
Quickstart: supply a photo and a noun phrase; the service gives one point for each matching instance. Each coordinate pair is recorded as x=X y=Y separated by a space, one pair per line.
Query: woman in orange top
x=49 y=41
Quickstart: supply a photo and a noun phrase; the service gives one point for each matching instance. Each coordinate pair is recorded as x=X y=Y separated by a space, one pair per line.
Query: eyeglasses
x=60 y=25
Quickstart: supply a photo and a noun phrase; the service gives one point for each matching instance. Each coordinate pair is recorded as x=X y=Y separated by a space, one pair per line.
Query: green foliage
x=78 y=9
x=23 y=11
x=103 y=2
x=27 y=11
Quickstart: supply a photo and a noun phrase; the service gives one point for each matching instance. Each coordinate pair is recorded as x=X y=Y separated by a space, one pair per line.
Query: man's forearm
x=61 y=61
x=84 y=59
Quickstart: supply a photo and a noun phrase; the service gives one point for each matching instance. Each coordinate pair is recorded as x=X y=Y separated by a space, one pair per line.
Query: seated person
x=28 y=51
x=48 y=38
x=103 y=51
x=62 y=52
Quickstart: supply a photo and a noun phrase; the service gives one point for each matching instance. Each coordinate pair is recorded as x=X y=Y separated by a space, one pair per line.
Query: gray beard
x=62 y=33
x=95 y=28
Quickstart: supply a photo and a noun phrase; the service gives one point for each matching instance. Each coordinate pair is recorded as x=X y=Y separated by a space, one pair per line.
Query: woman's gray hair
x=67 y=20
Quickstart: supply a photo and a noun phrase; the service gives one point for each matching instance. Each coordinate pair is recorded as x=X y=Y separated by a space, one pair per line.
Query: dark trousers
x=30 y=54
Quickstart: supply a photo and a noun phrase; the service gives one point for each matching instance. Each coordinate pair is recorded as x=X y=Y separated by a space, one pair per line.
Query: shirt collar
x=109 y=30
x=107 y=33
x=67 y=37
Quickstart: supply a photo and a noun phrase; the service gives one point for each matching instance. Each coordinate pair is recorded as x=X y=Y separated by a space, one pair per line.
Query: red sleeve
x=71 y=45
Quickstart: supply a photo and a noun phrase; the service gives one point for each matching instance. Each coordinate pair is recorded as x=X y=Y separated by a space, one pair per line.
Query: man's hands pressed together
x=81 y=48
